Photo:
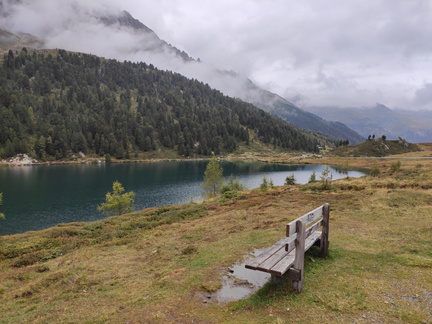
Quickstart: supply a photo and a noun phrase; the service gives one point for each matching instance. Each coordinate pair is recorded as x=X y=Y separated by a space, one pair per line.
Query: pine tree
x=117 y=202
x=212 y=179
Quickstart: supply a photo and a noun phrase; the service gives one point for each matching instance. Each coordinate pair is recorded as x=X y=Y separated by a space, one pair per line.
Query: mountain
x=55 y=103
x=381 y=120
x=235 y=85
x=152 y=41
x=287 y=111
x=16 y=41
x=140 y=43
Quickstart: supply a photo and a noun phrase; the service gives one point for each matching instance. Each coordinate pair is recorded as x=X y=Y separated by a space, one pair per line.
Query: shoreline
x=33 y=162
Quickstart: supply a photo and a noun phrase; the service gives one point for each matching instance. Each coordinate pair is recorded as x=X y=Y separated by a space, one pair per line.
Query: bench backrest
x=298 y=231
x=308 y=218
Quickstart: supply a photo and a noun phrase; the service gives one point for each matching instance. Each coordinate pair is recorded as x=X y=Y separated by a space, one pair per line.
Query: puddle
x=240 y=282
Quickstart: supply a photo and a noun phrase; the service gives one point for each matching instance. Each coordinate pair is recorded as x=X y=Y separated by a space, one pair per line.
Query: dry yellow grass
x=139 y=269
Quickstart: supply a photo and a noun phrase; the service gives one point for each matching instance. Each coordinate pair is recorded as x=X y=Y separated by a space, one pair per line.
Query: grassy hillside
x=158 y=265
x=376 y=147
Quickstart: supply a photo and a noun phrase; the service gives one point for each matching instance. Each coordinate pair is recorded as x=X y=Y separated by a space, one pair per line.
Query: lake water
x=37 y=197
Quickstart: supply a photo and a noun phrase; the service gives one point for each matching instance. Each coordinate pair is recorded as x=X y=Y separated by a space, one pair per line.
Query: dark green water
x=37 y=197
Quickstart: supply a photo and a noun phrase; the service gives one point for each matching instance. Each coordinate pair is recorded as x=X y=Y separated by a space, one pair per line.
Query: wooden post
x=325 y=231
x=299 y=255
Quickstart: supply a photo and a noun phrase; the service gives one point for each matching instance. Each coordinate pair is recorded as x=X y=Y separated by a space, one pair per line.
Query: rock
x=22 y=159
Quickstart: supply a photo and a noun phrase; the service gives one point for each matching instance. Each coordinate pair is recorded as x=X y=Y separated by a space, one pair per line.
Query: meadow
x=163 y=265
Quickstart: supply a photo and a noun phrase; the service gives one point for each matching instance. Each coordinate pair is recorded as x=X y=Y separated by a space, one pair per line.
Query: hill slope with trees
x=54 y=103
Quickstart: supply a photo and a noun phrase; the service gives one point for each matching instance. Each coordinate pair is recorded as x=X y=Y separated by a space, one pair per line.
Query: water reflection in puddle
x=241 y=282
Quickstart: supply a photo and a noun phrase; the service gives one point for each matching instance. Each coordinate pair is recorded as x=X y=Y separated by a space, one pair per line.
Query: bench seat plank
x=263 y=256
x=276 y=259
x=283 y=265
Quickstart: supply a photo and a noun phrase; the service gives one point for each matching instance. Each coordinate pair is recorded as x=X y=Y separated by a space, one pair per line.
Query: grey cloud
x=313 y=52
x=423 y=96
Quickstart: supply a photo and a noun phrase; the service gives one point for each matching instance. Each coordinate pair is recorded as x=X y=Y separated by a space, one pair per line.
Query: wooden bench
x=285 y=259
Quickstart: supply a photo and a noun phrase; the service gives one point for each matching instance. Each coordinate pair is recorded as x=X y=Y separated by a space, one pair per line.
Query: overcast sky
x=314 y=52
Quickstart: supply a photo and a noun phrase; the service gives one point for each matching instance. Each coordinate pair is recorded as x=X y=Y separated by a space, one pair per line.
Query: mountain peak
x=125 y=19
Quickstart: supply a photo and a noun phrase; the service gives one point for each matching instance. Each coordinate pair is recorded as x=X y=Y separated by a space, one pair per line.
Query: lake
x=37 y=197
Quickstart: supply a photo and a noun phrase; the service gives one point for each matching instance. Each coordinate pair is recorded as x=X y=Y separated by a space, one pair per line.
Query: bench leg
x=324 y=244
x=299 y=255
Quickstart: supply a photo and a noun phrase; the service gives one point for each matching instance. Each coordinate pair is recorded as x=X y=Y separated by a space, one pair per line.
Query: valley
x=88 y=86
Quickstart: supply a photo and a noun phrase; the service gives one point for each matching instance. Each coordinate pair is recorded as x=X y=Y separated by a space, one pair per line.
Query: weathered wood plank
x=307 y=218
x=272 y=260
x=266 y=254
x=312 y=239
x=284 y=264
x=277 y=259
x=313 y=228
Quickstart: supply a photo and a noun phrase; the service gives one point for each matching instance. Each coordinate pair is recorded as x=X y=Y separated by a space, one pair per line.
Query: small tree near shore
x=326 y=179
x=117 y=202
x=290 y=180
x=212 y=179
x=312 y=177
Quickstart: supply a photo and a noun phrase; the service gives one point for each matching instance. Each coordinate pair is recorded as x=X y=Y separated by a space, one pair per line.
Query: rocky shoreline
x=21 y=159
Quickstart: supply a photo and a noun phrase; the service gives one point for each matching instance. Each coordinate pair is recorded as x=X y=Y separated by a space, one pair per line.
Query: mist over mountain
x=413 y=126
x=108 y=31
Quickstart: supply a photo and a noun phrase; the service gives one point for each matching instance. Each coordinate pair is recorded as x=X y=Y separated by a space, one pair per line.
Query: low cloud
x=423 y=96
x=351 y=53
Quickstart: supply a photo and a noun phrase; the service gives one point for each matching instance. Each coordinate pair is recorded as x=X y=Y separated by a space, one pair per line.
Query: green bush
x=395 y=167
x=374 y=172
x=230 y=195
x=233 y=184
x=290 y=180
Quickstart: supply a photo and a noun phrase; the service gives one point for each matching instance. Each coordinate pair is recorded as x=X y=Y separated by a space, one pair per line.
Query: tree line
x=56 y=103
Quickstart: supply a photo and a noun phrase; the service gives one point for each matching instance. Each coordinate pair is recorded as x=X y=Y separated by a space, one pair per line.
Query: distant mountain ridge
x=413 y=126
x=16 y=41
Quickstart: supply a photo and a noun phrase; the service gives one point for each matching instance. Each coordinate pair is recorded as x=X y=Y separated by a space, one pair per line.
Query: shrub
x=290 y=180
x=395 y=167
x=374 y=172
x=233 y=184
x=230 y=195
